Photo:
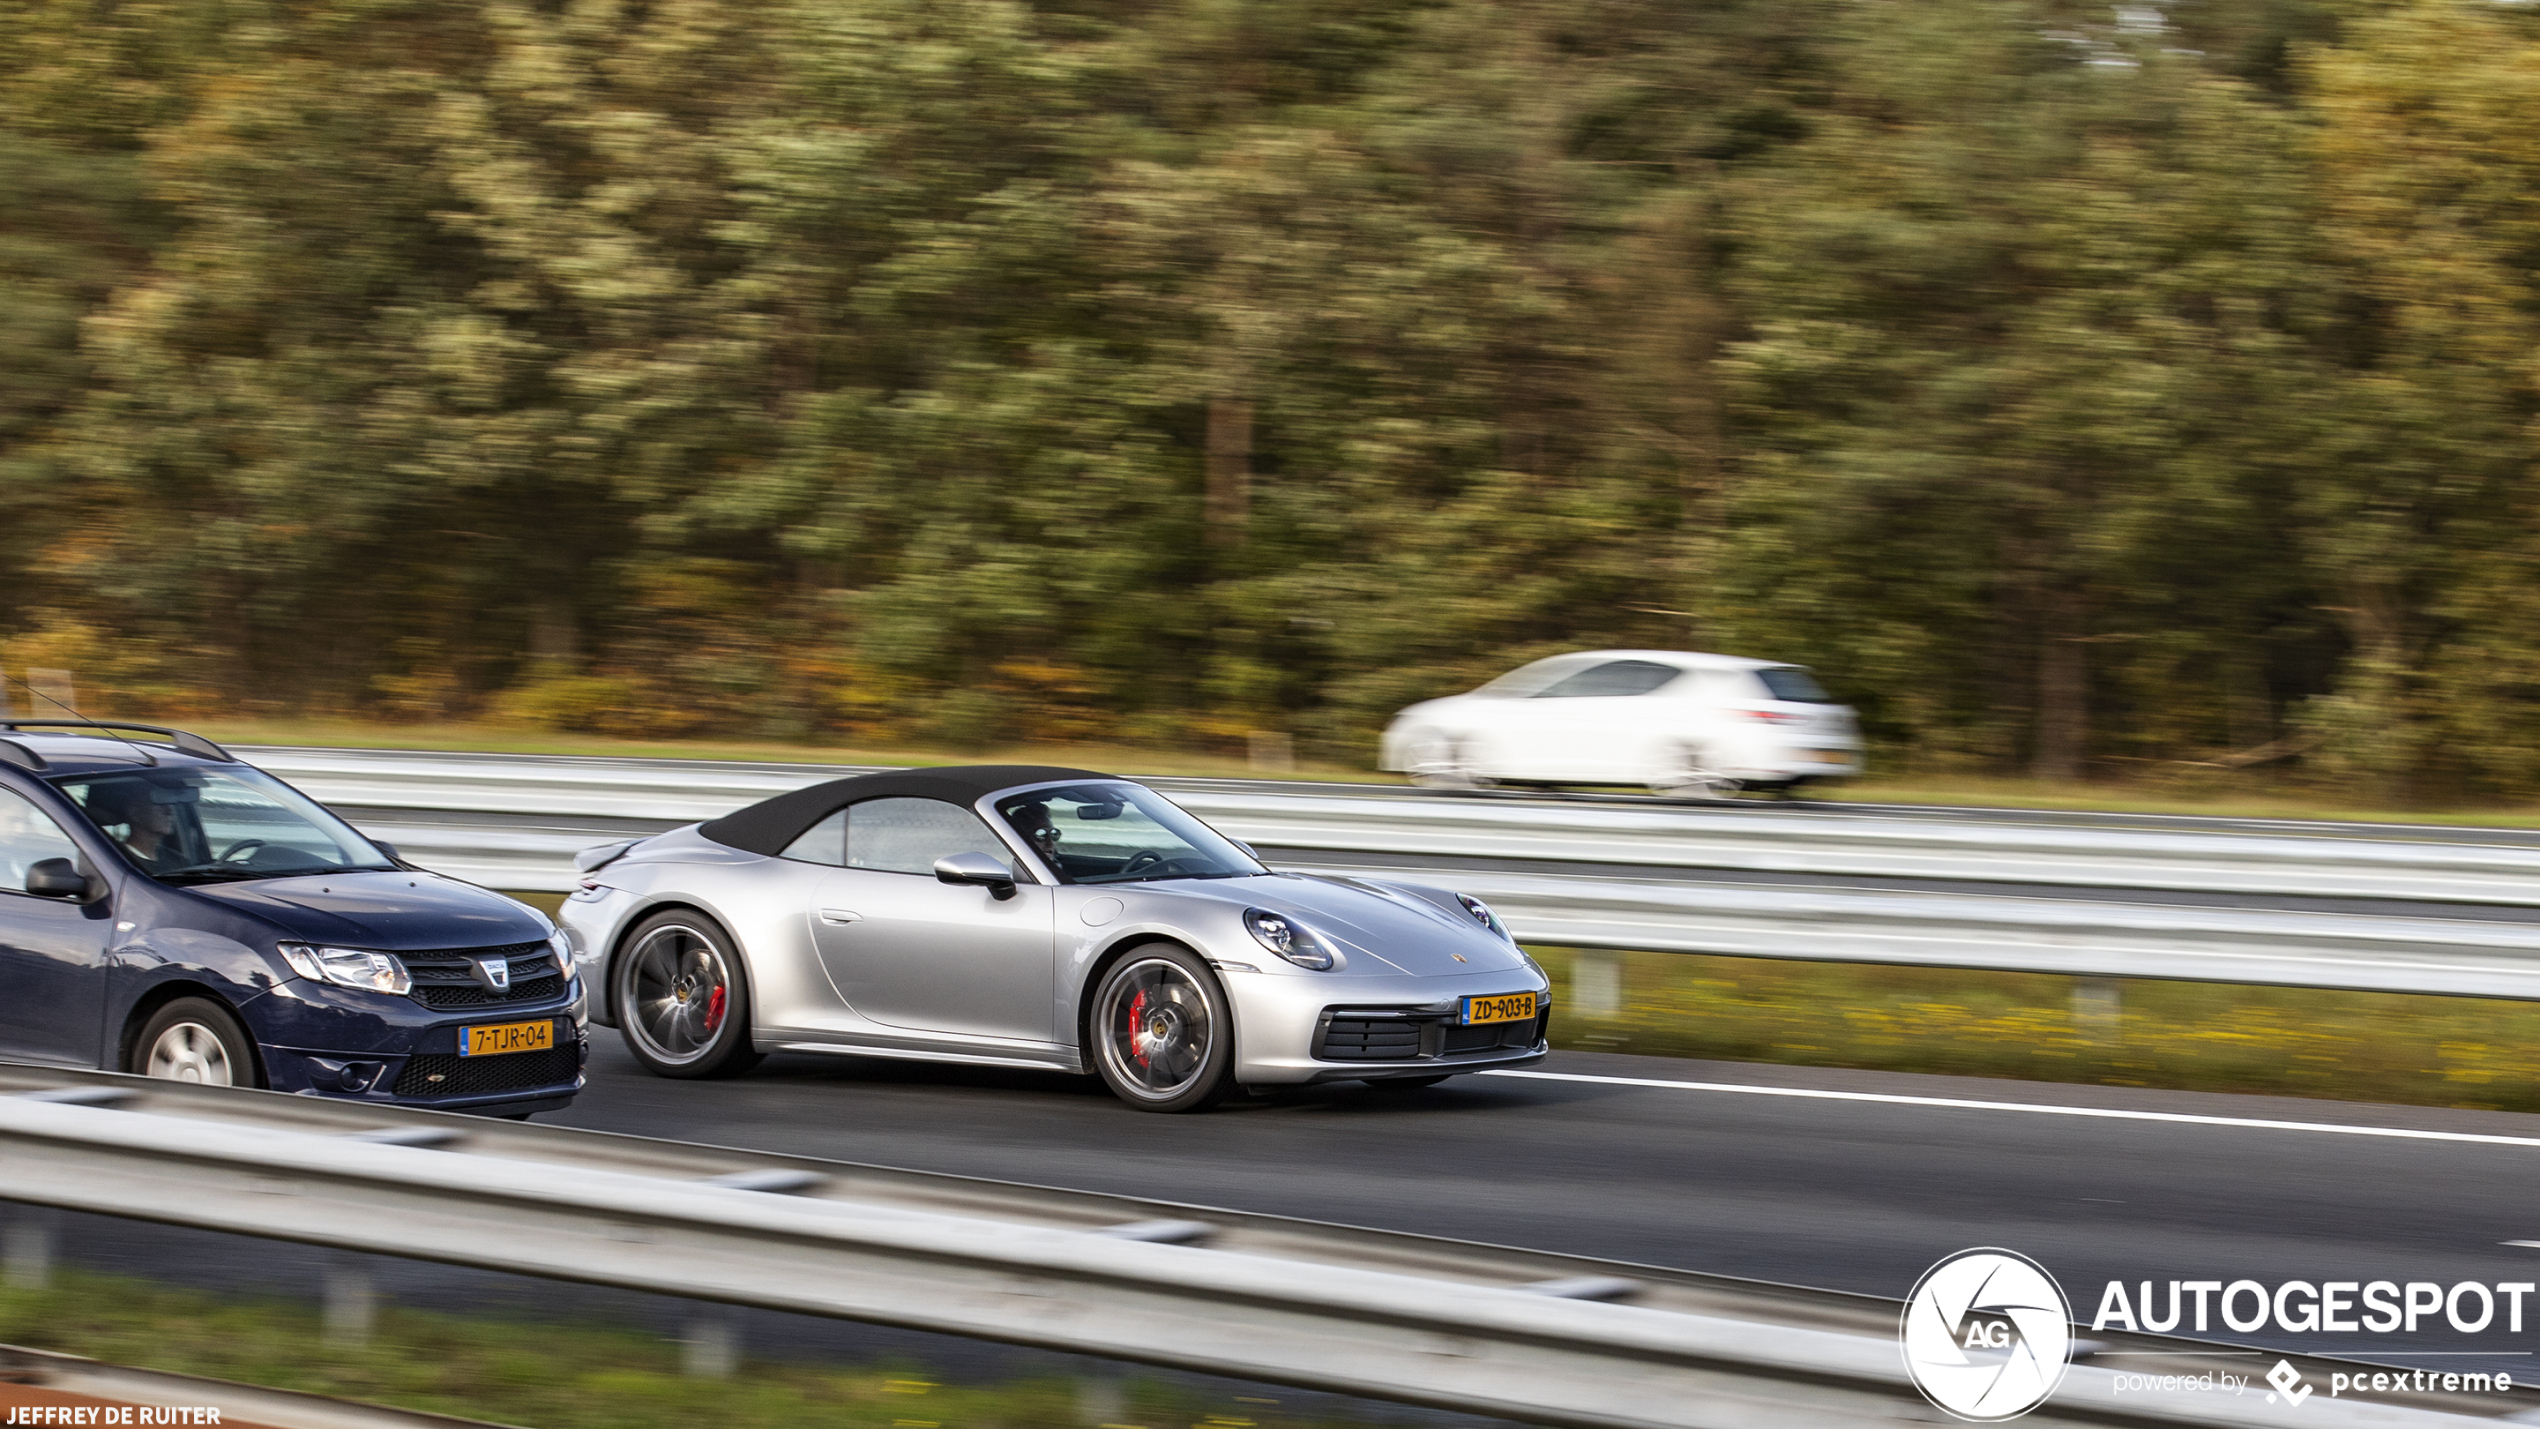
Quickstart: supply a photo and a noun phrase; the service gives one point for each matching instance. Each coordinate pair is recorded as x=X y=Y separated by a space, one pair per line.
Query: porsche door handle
x=838 y=915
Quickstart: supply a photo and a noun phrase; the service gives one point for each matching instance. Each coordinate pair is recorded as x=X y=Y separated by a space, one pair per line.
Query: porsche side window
x=824 y=842
x=27 y=838
x=1614 y=677
x=908 y=835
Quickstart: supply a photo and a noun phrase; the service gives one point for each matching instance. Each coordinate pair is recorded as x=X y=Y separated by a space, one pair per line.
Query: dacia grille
x=447 y=978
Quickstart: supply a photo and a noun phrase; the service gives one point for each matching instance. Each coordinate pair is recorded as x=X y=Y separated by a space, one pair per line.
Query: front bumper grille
x=540 y=989
x=446 y=1074
x=1369 y=1039
x=1387 y=1035
x=447 y=978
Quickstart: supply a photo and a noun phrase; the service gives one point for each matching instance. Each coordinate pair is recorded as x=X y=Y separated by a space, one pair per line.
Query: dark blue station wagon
x=168 y=910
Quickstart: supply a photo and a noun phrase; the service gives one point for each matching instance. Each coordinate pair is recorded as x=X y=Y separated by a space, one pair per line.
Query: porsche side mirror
x=976 y=868
x=56 y=878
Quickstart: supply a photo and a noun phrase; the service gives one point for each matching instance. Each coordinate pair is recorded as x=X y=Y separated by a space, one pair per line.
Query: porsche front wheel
x=683 y=1002
x=1163 y=1034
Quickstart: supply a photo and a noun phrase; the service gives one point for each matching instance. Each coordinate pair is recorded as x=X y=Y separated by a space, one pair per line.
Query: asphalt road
x=1857 y=1195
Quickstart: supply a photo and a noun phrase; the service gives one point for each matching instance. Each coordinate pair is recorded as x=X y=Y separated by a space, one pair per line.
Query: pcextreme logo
x=1987 y=1333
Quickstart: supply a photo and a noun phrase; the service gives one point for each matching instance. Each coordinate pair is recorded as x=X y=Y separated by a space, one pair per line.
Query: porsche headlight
x=1482 y=915
x=1281 y=935
x=348 y=967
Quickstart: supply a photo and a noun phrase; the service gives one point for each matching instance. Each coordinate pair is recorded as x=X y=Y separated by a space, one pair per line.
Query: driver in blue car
x=143 y=818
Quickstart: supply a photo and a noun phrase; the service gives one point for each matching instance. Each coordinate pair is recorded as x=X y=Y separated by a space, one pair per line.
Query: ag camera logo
x=1987 y=1334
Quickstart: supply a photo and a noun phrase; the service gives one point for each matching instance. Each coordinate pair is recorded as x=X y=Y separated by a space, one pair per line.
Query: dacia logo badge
x=495 y=973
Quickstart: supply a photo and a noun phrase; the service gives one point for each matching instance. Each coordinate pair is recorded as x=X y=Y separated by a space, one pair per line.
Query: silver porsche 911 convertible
x=1023 y=916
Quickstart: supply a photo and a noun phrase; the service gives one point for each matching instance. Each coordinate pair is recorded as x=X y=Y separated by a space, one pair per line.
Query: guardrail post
x=1101 y=1398
x=26 y=1248
x=1596 y=983
x=711 y=1346
x=351 y=1304
x=2098 y=1008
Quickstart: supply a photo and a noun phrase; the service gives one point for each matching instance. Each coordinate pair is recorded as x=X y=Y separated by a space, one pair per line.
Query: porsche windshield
x=196 y=825
x=1120 y=833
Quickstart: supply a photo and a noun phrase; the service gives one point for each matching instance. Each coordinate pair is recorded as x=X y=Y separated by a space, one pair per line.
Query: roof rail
x=12 y=752
x=186 y=741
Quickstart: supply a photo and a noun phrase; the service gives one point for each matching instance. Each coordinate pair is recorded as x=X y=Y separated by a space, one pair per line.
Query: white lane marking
x=2103 y=1113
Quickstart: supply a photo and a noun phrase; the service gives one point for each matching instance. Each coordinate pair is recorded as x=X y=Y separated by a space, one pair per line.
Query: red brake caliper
x=1137 y=1017
x=714 y=1010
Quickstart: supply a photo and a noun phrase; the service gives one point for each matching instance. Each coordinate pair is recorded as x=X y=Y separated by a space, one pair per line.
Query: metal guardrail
x=1339 y=818
x=514 y=822
x=1541 y=1338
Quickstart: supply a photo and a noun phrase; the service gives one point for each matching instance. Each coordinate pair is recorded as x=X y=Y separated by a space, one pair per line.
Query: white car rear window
x=1793 y=683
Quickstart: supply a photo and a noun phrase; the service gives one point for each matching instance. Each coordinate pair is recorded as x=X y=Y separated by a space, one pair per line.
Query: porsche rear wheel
x=683 y=1002
x=1163 y=1033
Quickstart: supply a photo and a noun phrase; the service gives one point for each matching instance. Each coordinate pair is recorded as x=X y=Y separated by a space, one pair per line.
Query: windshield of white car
x=1120 y=833
x=188 y=824
x=1795 y=684
x=1526 y=679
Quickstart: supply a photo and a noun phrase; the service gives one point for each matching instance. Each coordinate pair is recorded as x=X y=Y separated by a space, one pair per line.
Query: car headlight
x=349 y=967
x=1482 y=915
x=1281 y=935
x=562 y=946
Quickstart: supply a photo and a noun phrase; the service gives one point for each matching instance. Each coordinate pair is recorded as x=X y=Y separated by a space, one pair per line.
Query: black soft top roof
x=770 y=825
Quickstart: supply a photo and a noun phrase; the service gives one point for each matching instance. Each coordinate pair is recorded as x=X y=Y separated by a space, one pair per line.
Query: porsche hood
x=1378 y=924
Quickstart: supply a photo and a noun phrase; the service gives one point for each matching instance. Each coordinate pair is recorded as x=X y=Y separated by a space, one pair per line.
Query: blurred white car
x=1673 y=722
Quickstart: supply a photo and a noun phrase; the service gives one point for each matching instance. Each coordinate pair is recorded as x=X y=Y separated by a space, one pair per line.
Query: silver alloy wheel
x=1155 y=1030
x=190 y=1052
x=678 y=992
x=1437 y=762
x=1684 y=776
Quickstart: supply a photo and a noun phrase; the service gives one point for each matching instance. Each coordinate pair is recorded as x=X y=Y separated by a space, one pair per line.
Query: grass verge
x=2212 y=1037
x=513 y=739
x=566 y=1376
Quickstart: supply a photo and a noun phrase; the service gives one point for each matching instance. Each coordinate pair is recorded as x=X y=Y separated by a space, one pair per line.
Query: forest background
x=2080 y=389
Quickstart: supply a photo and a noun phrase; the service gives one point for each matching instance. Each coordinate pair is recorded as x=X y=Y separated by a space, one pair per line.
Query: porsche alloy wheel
x=1163 y=1037
x=682 y=1000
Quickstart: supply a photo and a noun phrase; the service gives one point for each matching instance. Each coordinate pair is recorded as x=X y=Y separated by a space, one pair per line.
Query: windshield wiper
x=212 y=873
x=234 y=873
